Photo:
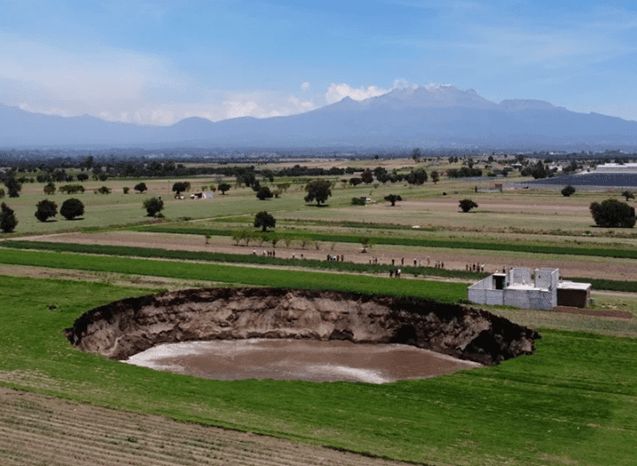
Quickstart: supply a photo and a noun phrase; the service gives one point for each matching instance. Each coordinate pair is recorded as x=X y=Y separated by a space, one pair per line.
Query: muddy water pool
x=310 y=360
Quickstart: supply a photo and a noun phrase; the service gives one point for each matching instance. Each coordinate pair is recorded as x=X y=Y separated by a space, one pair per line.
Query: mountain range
x=423 y=116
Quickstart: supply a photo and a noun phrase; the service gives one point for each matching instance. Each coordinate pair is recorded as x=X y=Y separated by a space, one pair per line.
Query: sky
x=157 y=62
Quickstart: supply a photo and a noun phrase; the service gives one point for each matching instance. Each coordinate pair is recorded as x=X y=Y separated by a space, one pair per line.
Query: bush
x=568 y=190
x=359 y=200
x=467 y=204
x=153 y=206
x=103 y=190
x=2 y=194
x=612 y=213
x=8 y=221
x=71 y=188
x=72 y=208
x=45 y=210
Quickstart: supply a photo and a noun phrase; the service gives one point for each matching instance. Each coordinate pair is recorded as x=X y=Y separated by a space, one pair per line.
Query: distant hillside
x=431 y=116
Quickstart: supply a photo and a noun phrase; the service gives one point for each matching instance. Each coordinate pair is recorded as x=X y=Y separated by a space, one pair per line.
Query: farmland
x=573 y=402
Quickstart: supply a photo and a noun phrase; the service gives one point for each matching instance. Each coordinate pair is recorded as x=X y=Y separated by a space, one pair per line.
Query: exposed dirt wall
x=123 y=328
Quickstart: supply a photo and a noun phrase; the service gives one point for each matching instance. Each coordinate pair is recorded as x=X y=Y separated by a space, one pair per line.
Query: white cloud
x=305 y=86
x=337 y=92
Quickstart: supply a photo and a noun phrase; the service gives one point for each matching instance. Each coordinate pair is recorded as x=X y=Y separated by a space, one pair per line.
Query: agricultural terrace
x=573 y=402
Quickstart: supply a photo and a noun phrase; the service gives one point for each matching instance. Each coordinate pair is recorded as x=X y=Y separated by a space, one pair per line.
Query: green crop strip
x=441 y=291
x=573 y=402
x=424 y=242
x=130 y=251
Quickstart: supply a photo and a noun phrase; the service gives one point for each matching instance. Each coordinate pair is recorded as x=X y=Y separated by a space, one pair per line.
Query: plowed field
x=40 y=430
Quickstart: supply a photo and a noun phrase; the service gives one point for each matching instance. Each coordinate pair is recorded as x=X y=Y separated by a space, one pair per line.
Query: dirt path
x=570 y=266
x=41 y=430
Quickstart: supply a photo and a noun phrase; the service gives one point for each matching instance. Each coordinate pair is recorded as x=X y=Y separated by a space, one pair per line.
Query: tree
x=467 y=204
x=264 y=221
x=435 y=176
x=72 y=208
x=355 y=181
x=367 y=176
x=45 y=210
x=103 y=190
x=318 y=190
x=628 y=195
x=393 y=198
x=82 y=177
x=126 y=189
x=539 y=170
x=416 y=154
x=180 y=187
x=8 y=222
x=49 y=188
x=418 y=176
x=153 y=206
x=13 y=187
x=612 y=213
x=223 y=187
x=140 y=187
x=568 y=190
x=264 y=193
x=1 y=193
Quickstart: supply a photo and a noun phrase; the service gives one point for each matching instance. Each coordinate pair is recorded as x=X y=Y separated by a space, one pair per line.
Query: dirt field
x=41 y=430
x=570 y=266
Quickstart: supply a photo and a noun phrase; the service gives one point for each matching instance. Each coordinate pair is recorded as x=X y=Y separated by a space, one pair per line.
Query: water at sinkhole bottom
x=310 y=360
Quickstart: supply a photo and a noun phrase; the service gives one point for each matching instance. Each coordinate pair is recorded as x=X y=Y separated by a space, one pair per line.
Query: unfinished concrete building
x=521 y=287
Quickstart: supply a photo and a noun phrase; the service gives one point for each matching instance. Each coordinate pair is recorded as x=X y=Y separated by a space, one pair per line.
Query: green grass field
x=574 y=402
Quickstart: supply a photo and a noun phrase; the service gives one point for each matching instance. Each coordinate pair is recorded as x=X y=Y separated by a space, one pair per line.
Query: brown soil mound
x=123 y=328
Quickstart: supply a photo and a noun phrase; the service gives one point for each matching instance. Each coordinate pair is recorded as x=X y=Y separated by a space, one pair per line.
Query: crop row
x=441 y=291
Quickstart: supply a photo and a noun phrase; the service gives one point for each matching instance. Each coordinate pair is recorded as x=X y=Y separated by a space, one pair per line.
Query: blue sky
x=160 y=61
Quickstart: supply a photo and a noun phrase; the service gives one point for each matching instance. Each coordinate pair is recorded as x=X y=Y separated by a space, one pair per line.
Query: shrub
x=612 y=213
x=153 y=206
x=72 y=208
x=8 y=221
x=45 y=210
x=103 y=190
x=568 y=190
x=467 y=204
x=2 y=194
x=126 y=189
x=359 y=200
x=71 y=189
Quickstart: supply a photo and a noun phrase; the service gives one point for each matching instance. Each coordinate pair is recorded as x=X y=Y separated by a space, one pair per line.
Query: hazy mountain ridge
x=425 y=116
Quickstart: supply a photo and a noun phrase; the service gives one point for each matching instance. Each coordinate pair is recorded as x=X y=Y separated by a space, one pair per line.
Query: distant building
x=617 y=168
x=520 y=287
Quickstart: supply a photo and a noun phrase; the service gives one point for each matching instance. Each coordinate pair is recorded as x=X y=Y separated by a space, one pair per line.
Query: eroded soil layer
x=123 y=328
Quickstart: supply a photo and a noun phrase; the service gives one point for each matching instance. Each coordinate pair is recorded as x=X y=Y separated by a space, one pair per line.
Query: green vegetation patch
x=441 y=291
x=574 y=402
x=132 y=251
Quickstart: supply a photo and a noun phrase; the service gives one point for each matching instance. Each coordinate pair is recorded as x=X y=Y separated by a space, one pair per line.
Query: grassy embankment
x=574 y=402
